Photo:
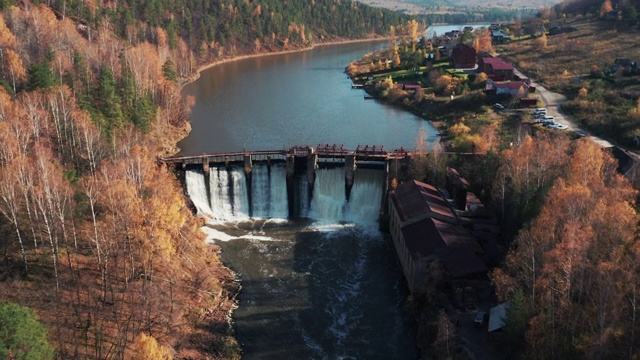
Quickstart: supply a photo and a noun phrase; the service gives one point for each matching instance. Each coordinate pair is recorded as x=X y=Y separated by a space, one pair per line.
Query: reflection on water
x=302 y=98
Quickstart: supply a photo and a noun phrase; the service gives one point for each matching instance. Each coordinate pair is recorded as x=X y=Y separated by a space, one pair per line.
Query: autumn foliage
x=576 y=263
x=96 y=235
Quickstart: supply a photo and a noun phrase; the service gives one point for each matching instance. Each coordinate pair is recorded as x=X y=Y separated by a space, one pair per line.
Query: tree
x=146 y=347
x=606 y=8
x=22 y=336
x=107 y=98
x=541 y=42
x=40 y=76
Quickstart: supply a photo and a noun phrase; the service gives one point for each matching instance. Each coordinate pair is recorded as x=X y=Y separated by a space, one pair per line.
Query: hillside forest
x=96 y=235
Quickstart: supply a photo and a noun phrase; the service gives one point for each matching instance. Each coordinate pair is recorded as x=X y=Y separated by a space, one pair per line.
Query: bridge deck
x=362 y=153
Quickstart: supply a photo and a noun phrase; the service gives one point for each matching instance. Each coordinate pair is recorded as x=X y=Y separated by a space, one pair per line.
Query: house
x=463 y=56
x=628 y=66
x=511 y=88
x=499 y=37
x=411 y=86
x=495 y=68
x=425 y=228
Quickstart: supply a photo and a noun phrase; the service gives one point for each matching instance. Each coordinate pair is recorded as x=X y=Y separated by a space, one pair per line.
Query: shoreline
x=196 y=75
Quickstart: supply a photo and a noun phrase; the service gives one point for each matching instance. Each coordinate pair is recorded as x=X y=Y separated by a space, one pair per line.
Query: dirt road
x=553 y=102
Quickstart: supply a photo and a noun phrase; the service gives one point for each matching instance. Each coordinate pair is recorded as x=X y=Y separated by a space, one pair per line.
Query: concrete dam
x=326 y=183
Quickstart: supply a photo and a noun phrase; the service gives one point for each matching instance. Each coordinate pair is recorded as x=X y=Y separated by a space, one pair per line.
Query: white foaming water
x=328 y=202
x=220 y=194
x=366 y=197
x=229 y=198
x=278 y=190
x=269 y=191
x=240 y=194
x=260 y=191
x=198 y=192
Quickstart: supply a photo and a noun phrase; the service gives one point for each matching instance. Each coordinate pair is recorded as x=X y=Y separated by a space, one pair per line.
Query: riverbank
x=201 y=68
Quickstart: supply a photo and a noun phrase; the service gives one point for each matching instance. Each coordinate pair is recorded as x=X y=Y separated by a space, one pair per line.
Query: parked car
x=540 y=110
x=498 y=106
x=560 y=126
x=548 y=119
x=480 y=318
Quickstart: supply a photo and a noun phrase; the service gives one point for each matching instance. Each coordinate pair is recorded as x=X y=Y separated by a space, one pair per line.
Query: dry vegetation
x=580 y=64
x=96 y=236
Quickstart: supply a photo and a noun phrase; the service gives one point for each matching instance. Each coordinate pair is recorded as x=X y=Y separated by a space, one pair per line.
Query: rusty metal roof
x=458 y=251
x=413 y=199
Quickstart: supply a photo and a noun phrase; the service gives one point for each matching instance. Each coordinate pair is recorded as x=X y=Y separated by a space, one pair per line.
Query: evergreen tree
x=107 y=99
x=22 y=337
x=40 y=76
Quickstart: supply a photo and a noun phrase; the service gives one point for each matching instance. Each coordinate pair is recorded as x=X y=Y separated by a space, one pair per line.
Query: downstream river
x=325 y=284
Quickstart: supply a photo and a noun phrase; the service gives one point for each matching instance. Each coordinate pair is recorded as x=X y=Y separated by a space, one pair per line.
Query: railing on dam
x=361 y=153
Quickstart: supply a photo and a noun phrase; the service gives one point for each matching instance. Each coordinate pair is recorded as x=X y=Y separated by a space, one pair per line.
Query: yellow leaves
x=605 y=8
x=7 y=38
x=541 y=42
x=459 y=129
x=146 y=347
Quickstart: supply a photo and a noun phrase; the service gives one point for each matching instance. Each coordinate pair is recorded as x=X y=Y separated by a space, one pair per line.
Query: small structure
x=628 y=164
x=498 y=317
x=463 y=56
x=411 y=86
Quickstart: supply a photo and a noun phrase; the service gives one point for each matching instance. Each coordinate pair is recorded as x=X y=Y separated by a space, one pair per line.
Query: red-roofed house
x=511 y=88
x=495 y=68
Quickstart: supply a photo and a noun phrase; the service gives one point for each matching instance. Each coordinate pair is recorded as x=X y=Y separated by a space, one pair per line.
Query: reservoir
x=301 y=98
x=325 y=284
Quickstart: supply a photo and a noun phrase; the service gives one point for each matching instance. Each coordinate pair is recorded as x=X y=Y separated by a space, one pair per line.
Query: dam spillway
x=230 y=196
x=326 y=184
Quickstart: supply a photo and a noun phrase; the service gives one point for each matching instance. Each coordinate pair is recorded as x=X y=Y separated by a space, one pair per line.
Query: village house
x=426 y=227
x=499 y=37
x=463 y=56
x=511 y=88
x=495 y=68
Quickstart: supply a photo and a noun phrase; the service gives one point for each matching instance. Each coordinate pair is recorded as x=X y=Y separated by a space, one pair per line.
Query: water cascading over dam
x=231 y=195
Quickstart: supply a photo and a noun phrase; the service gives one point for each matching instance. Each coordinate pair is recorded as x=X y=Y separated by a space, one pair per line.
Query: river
x=326 y=285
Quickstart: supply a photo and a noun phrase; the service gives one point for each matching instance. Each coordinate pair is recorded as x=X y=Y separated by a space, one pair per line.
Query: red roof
x=491 y=60
x=501 y=66
x=414 y=199
x=510 y=85
x=456 y=248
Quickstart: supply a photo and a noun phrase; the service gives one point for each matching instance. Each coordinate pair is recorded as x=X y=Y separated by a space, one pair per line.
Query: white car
x=559 y=126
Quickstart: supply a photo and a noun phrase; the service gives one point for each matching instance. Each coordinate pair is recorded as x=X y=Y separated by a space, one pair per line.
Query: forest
x=95 y=234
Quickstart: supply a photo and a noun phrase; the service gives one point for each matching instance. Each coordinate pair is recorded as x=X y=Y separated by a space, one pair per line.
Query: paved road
x=553 y=102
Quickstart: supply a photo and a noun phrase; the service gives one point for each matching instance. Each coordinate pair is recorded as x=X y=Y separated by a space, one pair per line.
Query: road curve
x=553 y=102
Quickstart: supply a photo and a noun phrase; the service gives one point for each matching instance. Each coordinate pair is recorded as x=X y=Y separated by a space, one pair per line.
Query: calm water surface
x=303 y=98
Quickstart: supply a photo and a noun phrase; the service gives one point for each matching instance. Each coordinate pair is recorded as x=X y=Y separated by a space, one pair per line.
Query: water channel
x=327 y=285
